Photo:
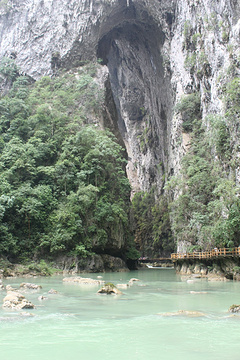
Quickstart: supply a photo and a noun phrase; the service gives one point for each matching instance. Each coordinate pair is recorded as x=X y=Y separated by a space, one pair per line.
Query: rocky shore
x=221 y=269
x=63 y=265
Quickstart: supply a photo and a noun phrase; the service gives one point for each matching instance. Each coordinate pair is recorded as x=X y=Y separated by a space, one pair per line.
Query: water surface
x=77 y=323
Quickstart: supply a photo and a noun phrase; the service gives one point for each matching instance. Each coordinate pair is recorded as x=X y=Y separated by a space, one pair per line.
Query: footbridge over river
x=211 y=254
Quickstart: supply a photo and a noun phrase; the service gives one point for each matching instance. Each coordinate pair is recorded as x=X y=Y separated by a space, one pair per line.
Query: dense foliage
x=190 y=110
x=206 y=212
x=63 y=187
x=153 y=235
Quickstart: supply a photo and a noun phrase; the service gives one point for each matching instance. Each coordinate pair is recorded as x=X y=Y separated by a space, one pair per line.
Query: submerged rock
x=217 y=278
x=26 y=314
x=190 y=313
x=123 y=286
x=109 y=289
x=15 y=300
x=84 y=281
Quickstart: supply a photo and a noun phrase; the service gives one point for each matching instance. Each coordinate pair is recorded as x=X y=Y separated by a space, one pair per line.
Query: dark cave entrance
x=131 y=47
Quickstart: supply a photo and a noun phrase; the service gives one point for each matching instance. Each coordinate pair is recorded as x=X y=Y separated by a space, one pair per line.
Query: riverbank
x=213 y=269
x=62 y=265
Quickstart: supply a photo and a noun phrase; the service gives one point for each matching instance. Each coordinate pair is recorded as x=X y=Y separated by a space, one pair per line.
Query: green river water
x=77 y=323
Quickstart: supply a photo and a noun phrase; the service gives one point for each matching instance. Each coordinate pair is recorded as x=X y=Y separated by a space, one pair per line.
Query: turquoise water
x=77 y=323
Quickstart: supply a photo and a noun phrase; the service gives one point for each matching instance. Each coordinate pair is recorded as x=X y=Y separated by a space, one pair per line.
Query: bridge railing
x=222 y=252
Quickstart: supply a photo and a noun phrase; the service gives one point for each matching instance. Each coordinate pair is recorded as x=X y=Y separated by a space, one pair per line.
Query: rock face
x=145 y=45
x=95 y=263
x=215 y=270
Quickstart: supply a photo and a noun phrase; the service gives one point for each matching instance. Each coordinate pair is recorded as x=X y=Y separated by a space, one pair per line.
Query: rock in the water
x=30 y=286
x=234 y=308
x=131 y=281
x=196 y=276
x=123 y=286
x=189 y=313
x=217 y=278
x=52 y=291
x=84 y=281
x=109 y=289
x=41 y=298
x=15 y=300
x=10 y=288
x=26 y=314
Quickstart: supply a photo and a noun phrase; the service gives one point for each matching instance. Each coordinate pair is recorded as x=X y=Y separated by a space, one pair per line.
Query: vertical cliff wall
x=154 y=51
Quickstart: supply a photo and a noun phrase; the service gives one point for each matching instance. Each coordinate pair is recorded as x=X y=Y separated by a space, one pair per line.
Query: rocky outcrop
x=215 y=270
x=94 y=263
x=15 y=300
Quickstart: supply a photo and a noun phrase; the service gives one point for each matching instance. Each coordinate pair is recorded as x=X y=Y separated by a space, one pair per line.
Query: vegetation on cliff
x=63 y=187
x=206 y=212
x=152 y=227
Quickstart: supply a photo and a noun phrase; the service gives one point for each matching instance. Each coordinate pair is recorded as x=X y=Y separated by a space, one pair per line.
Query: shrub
x=190 y=109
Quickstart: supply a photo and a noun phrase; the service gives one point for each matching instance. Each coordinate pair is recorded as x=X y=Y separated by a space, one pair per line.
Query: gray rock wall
x=143 y=44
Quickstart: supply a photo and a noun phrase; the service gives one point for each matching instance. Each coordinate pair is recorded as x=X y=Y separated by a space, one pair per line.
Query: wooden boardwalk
x=214 y=253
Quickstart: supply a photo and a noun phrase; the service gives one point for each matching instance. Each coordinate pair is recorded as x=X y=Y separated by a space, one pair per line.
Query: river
x=77 y=323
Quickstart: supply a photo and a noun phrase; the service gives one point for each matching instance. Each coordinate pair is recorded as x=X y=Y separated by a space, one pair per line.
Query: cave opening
x=131 y=48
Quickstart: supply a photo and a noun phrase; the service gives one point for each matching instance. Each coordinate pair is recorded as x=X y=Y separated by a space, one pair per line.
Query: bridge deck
x=214 y=253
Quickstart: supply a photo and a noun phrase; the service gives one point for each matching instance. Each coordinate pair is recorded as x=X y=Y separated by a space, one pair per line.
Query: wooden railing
x=224 y=252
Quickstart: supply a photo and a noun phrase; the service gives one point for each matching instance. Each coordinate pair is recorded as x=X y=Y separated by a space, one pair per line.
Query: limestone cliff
x=155 y=51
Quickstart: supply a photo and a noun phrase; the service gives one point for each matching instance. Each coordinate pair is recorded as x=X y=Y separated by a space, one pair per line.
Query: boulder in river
x=109 y=289
x=10 y=288
x=15 y=300
x=234 y=309
x=52 y=291
x=131 y=281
